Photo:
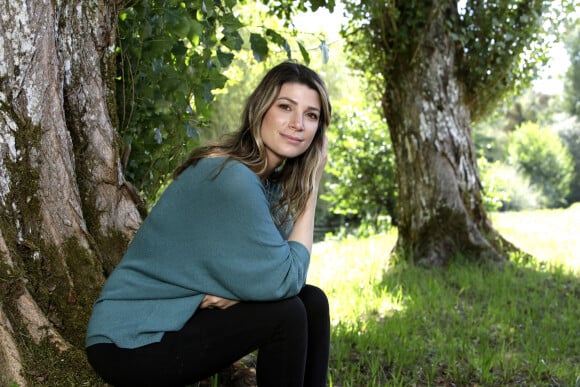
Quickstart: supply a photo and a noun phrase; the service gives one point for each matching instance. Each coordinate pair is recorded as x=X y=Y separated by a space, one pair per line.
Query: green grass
x=465 y=325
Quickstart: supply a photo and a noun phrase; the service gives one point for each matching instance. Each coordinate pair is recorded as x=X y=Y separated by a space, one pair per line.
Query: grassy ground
x=461 y=326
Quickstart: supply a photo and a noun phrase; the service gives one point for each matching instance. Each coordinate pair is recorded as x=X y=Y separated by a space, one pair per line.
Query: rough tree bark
x=441 y=211
x=66 y=213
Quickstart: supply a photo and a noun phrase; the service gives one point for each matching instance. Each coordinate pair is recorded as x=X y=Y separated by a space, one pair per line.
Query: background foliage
x=362 y=179
x=507 y=185
x=542 y=156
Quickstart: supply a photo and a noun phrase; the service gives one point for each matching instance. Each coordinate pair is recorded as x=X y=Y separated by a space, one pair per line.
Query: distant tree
x=572 y=78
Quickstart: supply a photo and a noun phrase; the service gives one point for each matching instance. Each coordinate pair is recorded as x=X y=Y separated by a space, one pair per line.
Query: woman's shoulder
x=224 y=170
x=220 y=164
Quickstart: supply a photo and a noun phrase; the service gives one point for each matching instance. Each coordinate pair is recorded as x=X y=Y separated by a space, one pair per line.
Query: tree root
x=10 y=361
x=34 y=319
x=37 y=324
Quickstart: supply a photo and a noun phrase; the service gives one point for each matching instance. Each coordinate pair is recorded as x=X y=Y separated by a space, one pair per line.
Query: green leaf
x=259 y=47
x=178 y=24
x=233 y=41
x=279 y=40
x=231 y=3
x=195 y=30
x=315 y=4
x=304 y=52
x=231 y=23
x=217 y=79
x=225 y=58
x=179 y=49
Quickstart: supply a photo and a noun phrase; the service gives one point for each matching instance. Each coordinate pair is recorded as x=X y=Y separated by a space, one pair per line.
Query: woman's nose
x=297 y=122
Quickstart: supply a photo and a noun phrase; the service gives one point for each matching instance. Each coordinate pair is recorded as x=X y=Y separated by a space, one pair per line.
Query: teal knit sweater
x=209 y=233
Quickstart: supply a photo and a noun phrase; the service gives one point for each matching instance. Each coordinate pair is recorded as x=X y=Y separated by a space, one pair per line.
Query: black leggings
x=292 y=338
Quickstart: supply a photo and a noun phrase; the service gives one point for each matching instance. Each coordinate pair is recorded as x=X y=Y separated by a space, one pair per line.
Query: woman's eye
x=284 y=106
x=313 y=116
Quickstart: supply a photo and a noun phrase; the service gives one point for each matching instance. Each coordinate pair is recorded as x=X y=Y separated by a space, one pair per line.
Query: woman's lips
x=292 y=138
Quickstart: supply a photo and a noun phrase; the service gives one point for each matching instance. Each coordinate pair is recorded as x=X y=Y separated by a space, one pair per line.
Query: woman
x=218 y=268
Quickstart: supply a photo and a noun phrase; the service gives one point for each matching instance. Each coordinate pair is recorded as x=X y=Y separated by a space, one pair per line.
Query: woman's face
x=289 y=125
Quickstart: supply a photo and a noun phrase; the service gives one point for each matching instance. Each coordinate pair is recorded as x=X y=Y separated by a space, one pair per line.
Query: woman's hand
x=215 y=302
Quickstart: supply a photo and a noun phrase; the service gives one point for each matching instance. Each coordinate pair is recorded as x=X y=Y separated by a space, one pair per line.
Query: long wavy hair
x=295 y=175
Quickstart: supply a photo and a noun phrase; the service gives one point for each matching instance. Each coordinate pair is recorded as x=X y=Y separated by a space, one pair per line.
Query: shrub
x=361 y=181
x=507 y=189
x=541 y=156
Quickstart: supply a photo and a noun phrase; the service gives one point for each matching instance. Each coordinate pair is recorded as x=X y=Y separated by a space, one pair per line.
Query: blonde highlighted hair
x=296 y=175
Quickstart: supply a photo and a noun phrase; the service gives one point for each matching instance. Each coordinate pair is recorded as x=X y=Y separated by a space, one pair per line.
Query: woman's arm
x=302 y=232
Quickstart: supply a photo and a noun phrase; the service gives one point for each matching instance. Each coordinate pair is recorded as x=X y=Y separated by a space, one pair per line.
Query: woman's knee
x=290 y=312
x=314 y=299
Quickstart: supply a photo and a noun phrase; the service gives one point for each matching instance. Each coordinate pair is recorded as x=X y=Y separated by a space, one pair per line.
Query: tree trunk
x=441 y=211
x=66 y=212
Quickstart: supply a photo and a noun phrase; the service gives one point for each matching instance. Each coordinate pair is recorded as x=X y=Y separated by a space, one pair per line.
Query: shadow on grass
x=466 y=325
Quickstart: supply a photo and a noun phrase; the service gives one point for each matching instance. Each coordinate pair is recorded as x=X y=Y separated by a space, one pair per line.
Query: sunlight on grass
x=552 y=236
x=462 y=325
x=354 y=267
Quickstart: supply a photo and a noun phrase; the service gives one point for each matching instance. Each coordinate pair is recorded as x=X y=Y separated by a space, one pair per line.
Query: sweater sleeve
x=252 y=260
